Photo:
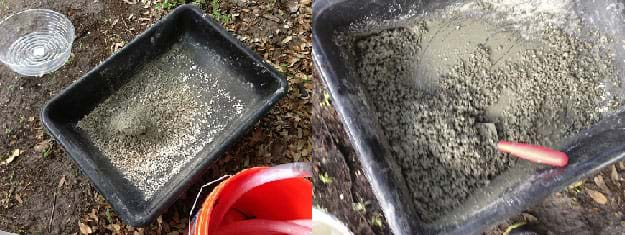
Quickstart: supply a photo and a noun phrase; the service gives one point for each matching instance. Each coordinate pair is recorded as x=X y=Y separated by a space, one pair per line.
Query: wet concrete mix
x=446 y=89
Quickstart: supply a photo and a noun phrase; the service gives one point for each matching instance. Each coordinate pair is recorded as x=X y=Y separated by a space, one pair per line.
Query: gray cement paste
x=446 y=90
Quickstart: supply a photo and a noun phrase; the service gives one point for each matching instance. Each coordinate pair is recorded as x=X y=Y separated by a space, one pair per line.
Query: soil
x=340 y=185
x=574 y=210
x=43 y=192
x=473 y=92
x=30 y=187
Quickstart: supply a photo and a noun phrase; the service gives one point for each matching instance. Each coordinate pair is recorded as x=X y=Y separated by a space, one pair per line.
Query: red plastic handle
x=533 y=153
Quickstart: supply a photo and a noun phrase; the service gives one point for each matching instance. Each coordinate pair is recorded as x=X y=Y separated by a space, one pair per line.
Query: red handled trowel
x=533 y=153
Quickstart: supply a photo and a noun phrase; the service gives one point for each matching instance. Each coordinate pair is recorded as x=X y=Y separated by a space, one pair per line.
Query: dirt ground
x=43 y=192
x=592 y=206
x=340 y=186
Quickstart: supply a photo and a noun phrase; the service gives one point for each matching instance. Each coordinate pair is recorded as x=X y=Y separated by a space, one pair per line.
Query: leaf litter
x=14 y=154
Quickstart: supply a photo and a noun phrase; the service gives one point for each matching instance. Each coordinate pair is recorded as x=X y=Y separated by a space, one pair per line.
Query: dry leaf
x=287 y=39
x=257 y=136
x=597 y=196
x=94 y=215
x=176 y=217
x=11 y=158
x=84 y=229
x=601 y=183
x=116 y=227
x=42 y=146
x=529 y=217
x=621 y=165
x=614 y=175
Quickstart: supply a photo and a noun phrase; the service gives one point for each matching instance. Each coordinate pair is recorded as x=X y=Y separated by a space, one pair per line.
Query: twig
x=52 y=216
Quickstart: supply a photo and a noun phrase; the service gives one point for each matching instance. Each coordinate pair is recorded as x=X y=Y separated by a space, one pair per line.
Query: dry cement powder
x=162 y=118
x=528 y=17
x=479 y=90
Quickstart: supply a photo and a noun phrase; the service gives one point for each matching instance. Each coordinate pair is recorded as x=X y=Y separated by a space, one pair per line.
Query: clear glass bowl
x=36 y=41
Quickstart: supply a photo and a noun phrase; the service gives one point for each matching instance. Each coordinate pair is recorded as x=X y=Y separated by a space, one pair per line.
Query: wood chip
x=597 y=196
x=621 y=165
x=18 y=198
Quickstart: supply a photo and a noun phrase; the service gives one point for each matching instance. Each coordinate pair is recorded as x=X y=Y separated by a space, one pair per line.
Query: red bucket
x=259 y=200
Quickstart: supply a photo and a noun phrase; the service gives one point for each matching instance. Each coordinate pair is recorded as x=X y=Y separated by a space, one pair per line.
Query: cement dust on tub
x=173 y=108
x=35 y=41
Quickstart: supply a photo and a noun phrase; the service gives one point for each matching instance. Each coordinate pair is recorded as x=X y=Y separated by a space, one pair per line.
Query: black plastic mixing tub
x=61 y=114
x=508 y=194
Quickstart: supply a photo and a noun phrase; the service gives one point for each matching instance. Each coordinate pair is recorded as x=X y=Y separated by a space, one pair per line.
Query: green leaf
x=325 y=178
x=109 y=218
x=376 y=220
